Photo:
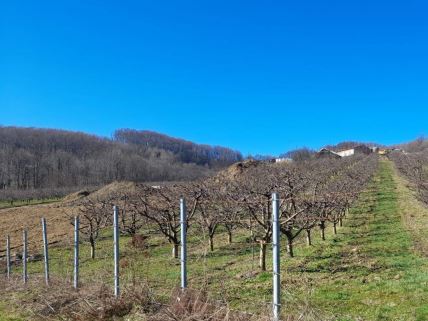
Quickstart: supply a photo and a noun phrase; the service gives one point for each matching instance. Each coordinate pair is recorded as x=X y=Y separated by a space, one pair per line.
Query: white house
x=345 y=153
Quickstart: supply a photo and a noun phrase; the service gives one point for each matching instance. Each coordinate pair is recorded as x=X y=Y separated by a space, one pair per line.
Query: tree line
x=47 y=162
x=187 y=152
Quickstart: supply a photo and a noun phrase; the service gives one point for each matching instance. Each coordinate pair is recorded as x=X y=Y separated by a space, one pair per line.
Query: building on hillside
x=346 y=152
x=374 y=149
x=283 y=159
x=327 y=153
x=360 y=149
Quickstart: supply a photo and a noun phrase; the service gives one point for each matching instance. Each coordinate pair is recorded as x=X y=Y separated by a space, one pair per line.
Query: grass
x=414 y=214
x=380 y=277
x=369 y=271
x=18 y=203
x=8 y=316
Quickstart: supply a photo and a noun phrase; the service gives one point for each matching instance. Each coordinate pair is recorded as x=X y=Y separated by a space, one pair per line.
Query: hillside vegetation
x=42 y=163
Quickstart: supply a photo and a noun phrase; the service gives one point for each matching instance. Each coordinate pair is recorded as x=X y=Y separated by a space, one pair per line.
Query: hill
x=36 y=163
x=186 y=151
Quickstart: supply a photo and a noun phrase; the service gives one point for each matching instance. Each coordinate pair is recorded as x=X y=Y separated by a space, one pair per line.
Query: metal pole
x=116 y=250
x=8 y=256
x=24 y=257
x=183 y=223
x=76 y=253
x=276 y=258
x=45 y=250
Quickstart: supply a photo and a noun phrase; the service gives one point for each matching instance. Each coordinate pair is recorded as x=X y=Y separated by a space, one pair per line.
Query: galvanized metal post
x=76 y=252
x=276 y=258
x=116 y=250
x=183 y=224
x=45 y=250
x=8 y=256
x=24 y=256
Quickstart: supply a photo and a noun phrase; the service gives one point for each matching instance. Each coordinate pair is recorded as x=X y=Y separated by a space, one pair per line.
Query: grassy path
x=375 y=274
x=414 y=213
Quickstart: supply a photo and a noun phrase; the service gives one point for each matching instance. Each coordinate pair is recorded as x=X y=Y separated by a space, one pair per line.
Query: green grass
x=366 y=272
x=19 y=203
x=379 y=278
x=8 y=317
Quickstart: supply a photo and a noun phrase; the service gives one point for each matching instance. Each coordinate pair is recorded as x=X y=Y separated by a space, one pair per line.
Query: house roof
x=327 y=150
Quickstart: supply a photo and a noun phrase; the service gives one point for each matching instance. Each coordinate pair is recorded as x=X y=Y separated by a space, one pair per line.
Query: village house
x=359 y=149
x=283 y=159
x=327 y=153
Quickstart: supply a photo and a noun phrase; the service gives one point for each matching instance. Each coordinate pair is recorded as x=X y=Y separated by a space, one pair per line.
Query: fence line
x=276 y=293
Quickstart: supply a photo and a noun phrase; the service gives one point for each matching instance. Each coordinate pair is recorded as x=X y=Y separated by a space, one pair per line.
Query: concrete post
x=116 y=250
x=183 y=224
x=45 y=250
x=8 y=256
x=24 y=256
x=76 y=253
x=276 y=258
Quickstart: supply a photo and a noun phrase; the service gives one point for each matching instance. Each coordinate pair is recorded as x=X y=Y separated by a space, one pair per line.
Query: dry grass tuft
x=60 y=301
x=192 y=305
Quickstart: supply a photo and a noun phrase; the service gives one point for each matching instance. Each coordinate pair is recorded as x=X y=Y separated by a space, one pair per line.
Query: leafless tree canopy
x=36 y=163
x=414 y=166
x=313 y=194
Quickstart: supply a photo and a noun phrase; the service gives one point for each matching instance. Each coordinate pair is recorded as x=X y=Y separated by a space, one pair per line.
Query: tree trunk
x=175 y=250
x=229 y=237
x=334 y=228
x=211 y=241
x=322 y=228
x=92 y=249
x=290 y=246
x=308 y=238
x=262 y=263
x=340 y=222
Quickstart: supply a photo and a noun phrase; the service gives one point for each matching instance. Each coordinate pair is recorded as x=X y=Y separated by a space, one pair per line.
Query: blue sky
x=258 y=76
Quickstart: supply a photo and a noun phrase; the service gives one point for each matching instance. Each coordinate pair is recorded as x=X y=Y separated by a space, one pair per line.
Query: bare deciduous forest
x=42 y=163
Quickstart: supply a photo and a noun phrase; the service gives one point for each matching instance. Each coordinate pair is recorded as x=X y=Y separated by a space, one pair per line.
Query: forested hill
x=57 y=161
x=186 y=151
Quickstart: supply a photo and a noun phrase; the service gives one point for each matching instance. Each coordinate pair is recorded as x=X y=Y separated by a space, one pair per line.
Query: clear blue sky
x=258 y=76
